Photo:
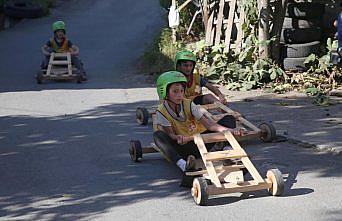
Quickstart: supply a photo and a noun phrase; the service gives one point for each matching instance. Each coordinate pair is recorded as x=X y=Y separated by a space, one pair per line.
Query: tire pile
x=301 y=34
x=23 y=9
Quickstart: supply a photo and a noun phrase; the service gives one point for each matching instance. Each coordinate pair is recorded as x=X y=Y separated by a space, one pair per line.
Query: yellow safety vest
x=59 y=49
x=188 y=127
x=195 y=89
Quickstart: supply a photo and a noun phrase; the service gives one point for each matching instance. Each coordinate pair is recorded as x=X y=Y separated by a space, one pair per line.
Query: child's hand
x=237 y=132
x=183 y=139
x=222 y=99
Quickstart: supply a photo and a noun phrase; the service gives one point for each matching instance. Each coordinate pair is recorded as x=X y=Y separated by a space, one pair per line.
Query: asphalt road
x=64 y=146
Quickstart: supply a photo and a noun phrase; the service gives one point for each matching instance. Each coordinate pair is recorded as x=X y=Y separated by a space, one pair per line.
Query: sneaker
x=189 y=167
x=190 y=164
x=84 y=77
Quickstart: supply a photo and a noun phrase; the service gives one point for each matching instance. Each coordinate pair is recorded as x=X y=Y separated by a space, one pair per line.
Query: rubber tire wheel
x=301 y=23
x=269 y=129
x=294 y=64
x=305 y=10
x=135 y=150
x=276 y=177
x=39 y=78
x=24 y=9
x=142 y=115
x=79 y=79
x=300 y=35
x=199 y=191
x=300 y=50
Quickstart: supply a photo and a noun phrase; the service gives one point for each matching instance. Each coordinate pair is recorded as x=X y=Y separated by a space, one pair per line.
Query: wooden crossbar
x=60 y=62
x=225 y=154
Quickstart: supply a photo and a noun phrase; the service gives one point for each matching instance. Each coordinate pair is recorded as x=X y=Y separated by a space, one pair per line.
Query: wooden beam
x=219 y=23
x=208 y=164
x=184 y=4
x=225 y=154
x=217 y=169
x=228 y=33
x=246 y=186
x=209 y=29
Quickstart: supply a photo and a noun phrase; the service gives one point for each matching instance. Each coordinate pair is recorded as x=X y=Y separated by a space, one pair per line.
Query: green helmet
x=58 y=25
x=185 y=56
x=166 y=79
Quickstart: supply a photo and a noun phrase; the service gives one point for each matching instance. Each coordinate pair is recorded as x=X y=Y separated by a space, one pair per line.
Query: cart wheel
x=39 y=78
x=268 y=132
x=277 y=180
x=199 y=191
x=79 y=79
x=135 y=150
x=142 y=115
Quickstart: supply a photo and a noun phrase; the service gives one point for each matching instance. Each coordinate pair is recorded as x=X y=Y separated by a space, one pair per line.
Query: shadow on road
x=74 y=166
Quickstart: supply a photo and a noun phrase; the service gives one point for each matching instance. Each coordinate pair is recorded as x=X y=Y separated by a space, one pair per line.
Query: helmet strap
x=177 y=106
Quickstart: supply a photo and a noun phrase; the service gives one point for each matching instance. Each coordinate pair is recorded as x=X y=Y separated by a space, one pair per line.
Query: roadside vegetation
x=245 y=70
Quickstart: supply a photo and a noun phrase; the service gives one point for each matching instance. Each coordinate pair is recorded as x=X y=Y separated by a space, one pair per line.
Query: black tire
x=300 y=35
x=135 y=150
x=79 y=79
x=39 y=78
x=301 y=23
x=142 y=115
x=300 y=50
x=305 y=10
x=277 y=179
x=23 y=9
x=294 y=64
x=268 y=132
x=199 y=191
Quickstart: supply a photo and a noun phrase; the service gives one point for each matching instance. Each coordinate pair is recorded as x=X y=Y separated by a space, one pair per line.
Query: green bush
x=160 y=54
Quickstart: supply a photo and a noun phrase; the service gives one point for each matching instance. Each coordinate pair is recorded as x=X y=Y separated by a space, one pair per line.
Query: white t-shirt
x=196 y=111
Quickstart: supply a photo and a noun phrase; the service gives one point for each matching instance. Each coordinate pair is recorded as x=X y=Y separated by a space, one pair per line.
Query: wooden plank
x=228 y=33
x=210 y=106
x=238 y=116
x=183 y=5
x=224 y=154
x=208 y=164
x=217 y=137
x=149 y=150
x=246 y=186
x=69 y=63
x=245 y=160
x=219 y=23
x=65 y=62
x=209 y=29
x=48 y=72
x=218 y=169
x=240 y=33
x=60 y=55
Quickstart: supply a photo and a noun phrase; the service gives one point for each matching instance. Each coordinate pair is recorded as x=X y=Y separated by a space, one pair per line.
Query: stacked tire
x=301 y=34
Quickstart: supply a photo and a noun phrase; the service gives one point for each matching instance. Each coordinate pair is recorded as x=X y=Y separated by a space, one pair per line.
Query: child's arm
x=45 y=50
x=213 y=126
x=179 y=138
x=217 y=92
x=74 y=50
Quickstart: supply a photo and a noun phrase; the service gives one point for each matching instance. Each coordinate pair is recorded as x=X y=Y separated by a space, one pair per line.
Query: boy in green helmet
x=60 y=44
x=178 y=119
x=185 y=63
